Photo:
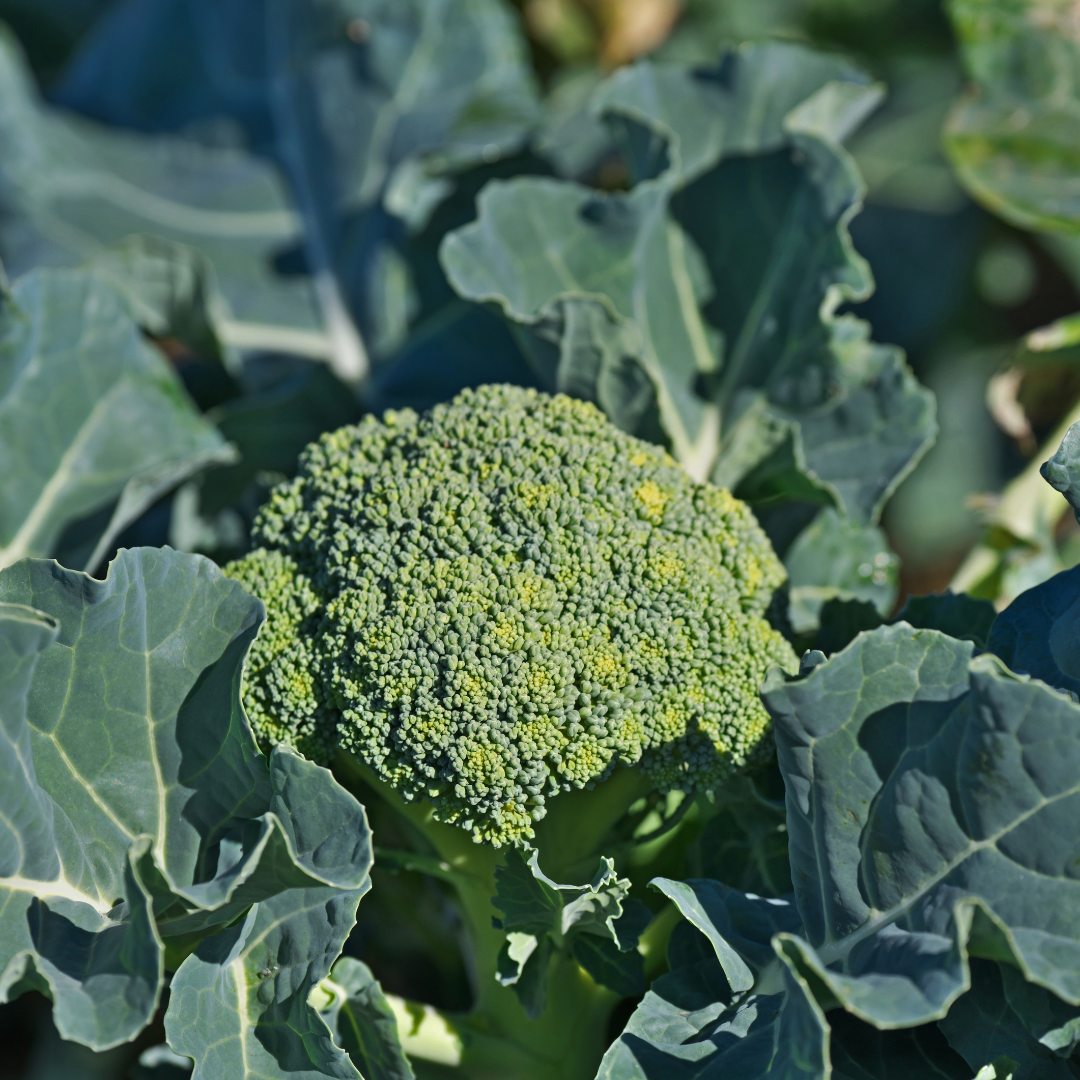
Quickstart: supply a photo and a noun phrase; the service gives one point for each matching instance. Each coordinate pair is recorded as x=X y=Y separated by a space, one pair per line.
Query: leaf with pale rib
x=931 y=806
x=149 y=818
x=239 y=1004
x=90 y=414
x=657 y=279
x=1012 y=136
x=436 y=87
x=537 y=242
x=72 y=188
x=364 y=1024
x=170 y=288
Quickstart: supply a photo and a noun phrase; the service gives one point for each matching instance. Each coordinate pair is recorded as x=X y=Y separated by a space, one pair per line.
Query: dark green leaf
x=981 y=1026
x=623 y=972
x=744 y=844
x=270 y=429
x=528 y=902
x=1047 y=1018
x=956 y=614
x=1034 y=635
x=841 y=621
x=363 y=1023
x=862 y=1052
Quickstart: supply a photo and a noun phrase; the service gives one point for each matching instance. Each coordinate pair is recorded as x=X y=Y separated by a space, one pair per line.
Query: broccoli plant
x=513 y=622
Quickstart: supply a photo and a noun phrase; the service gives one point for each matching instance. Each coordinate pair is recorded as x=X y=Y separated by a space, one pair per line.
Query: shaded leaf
x=363 y=1023
x=1034 y=635
x=956 y=614
x=744 y=844
x=623 y=972
x=981 y=1026
x=539 y=915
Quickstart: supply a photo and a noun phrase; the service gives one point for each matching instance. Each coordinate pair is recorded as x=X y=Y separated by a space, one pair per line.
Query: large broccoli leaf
x=94 y=424
x=931 y=810
x=729 y=315
x=70 y=188
x=142 y=818
x=368 y=108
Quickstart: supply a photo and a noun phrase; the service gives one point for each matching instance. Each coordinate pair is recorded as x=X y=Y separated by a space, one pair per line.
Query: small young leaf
x=363 y=1023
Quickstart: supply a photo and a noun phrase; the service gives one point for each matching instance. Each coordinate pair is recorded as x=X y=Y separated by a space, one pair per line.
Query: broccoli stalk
x=497 y=1038
x=512 y=621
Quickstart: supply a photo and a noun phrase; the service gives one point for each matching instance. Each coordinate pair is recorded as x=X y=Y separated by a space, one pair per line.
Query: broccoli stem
x=567 y=1041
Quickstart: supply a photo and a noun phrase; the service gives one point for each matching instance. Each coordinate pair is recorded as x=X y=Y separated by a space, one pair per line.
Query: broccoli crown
x=505 y=598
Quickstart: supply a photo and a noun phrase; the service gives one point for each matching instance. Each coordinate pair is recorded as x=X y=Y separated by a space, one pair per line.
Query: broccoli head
x=506 y=598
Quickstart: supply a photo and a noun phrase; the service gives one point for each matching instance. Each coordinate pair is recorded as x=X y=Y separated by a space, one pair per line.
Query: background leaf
x=91 y=417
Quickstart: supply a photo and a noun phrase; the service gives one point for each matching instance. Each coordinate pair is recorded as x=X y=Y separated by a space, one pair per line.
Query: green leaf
x=239 y=1004
x=73 y=189
x=982 y=1026
x=1062 y=471
x=90 y=415
x=170 y=289
x=363 y=1023
x=838 y=558
x=145 y=816
x=1035 y=634
x=903 y=855
x=730 y=317
x=539 y=915
x=1012 y=137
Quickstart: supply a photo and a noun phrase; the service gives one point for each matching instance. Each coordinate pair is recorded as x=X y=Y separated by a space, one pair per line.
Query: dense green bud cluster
x=503 y=599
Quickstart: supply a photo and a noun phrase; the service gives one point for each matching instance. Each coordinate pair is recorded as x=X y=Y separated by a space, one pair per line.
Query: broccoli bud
x=506 y=598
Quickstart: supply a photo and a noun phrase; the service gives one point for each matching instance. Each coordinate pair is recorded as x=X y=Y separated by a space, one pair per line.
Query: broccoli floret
x=506 y=598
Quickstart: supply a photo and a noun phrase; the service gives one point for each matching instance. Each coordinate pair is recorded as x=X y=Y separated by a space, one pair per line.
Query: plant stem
x=498 y=1041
